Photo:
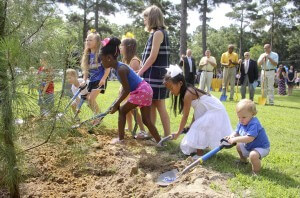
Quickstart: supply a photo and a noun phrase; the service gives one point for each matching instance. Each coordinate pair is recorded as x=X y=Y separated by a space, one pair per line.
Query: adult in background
x=291 y=77
x=249 y=74
x=155 y=60
x=281 y=75
x=207 y=65
x=268 y=61
x=189 y=67
x=229 y=60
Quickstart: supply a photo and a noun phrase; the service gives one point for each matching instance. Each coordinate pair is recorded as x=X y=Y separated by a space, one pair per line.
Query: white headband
x=174 y=70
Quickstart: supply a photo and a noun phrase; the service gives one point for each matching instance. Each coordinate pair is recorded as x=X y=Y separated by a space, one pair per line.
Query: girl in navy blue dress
x=92 y=69
x=155 y=60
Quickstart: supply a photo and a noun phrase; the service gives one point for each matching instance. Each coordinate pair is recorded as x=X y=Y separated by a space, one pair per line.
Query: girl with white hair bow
x=210 y=120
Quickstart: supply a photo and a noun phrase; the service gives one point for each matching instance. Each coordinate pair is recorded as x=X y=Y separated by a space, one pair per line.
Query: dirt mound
x=92 y=167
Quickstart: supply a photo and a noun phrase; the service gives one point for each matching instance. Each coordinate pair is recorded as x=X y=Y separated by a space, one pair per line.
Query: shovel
x=169 y=177
x=262 y=100
x=223 y=97
x=170 y=137
x=99 y=116
x=236 y=98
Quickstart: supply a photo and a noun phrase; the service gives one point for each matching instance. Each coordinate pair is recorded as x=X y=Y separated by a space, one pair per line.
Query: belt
x=269 y=70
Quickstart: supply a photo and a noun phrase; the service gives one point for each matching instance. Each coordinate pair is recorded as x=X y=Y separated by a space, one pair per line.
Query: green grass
x=280 y=175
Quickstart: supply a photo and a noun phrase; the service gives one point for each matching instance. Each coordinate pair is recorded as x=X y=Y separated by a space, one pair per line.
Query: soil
x=90 y=166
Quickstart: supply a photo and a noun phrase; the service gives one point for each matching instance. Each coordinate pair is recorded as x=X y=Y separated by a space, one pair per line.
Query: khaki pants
x=228 y=77
x=268 y=84
x=205 y=80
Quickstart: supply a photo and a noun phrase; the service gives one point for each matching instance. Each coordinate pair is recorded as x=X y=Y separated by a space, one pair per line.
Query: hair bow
x=92 y=30
x=105 y=41
x=128 y=35
x=174 y=70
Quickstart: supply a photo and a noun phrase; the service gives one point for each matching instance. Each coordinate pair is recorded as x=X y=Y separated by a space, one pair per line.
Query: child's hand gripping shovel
x=262 y=100
x=236 y=98
x=169 y=177
x=170 y=137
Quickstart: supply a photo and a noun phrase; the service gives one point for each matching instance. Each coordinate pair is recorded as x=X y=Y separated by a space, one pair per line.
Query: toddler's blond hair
x=71 y=72
x=246 y=104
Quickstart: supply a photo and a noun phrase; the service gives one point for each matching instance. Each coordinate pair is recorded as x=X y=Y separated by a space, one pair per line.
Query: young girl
x=291 y=77
x=140 y=92
x=210 y=121
x=128 y=51
x=155 y=61
x=92 y=69
x=250 y=135
x=281 y=75
x=73 y=79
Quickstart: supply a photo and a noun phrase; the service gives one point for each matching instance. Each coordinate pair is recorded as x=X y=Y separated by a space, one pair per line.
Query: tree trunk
x=241 y=35
x=204 y=18
x=7 y=116
x=272 y=29
x=97 y=15
x=85 y=26
x=183 y=26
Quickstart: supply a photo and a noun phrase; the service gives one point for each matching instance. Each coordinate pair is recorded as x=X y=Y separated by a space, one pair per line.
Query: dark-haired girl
x=210 y=121
x=140 y=92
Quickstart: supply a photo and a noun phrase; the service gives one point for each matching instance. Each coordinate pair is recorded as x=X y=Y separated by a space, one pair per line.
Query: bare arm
x=135 y=65
x=122 y=71
x=241 y=139
x=157 y=40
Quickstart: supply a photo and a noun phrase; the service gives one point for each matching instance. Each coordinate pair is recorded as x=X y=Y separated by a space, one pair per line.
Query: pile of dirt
x=78 y=167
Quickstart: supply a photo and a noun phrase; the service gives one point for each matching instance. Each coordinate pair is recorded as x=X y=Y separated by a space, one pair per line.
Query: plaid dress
x=154 y=75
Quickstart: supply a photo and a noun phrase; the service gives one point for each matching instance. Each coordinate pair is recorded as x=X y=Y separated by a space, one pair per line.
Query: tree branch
x=37 y=30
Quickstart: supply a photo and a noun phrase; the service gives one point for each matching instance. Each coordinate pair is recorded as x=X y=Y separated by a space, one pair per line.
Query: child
x=210 y=121
x=92 y=69
x=140 y=92
x=128 y=50
x=73 y=79
x=47 y=92
x=155 y=60
x=251 y=137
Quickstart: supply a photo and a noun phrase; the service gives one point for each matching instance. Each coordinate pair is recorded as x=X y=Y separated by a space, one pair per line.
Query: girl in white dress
x=210 y=121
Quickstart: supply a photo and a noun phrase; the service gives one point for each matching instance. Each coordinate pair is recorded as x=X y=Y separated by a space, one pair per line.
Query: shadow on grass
x=290 y=107
x=225 y=162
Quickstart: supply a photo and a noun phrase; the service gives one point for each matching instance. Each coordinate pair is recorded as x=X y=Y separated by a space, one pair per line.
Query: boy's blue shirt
x=254 y=129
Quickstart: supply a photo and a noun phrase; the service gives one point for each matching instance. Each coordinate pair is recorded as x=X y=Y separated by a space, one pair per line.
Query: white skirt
x=206 y=131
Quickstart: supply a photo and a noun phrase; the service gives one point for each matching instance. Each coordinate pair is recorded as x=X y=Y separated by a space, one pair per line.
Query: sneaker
x=117 y=141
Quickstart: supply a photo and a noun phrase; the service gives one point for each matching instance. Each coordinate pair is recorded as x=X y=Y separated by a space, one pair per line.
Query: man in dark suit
x=189 y=67
x=249 y=74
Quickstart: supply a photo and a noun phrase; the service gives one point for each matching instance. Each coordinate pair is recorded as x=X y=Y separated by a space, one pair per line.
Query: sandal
x=142 y=135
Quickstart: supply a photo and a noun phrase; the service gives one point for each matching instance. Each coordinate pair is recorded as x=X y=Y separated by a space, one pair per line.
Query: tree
x=204 y=7
x=7 y=149
x=243 y=12
x=183 y=26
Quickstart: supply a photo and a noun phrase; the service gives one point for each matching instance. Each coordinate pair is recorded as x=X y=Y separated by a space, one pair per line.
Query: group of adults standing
x=247 y=70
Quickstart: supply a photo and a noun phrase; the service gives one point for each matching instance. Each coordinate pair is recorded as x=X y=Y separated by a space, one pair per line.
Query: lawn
x=280 y=176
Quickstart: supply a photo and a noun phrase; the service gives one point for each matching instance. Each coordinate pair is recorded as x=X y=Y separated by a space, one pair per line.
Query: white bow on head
x=174 y=70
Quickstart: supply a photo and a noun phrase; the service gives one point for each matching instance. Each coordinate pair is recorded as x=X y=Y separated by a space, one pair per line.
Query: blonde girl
x=155 y=60
x=128 y=51
x=92 y=68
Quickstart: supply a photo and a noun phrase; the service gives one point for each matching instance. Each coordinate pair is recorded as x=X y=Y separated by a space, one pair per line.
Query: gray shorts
x=263 y=152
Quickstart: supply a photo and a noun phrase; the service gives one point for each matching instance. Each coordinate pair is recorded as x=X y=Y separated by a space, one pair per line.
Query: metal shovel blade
x=167 y=178
x=262 y=100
